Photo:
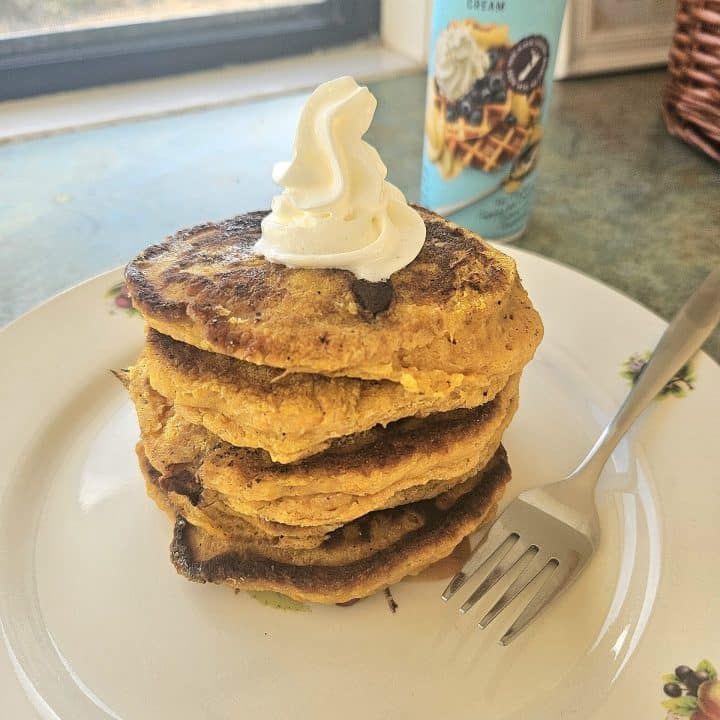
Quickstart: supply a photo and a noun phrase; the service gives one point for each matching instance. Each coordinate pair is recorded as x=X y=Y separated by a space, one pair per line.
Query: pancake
x=291 y=416
x=366 y=555
x=457 y=314
x=410 y=460
x=208 y=510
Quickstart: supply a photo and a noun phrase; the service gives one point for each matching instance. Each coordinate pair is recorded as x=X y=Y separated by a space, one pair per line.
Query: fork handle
x=683 y=338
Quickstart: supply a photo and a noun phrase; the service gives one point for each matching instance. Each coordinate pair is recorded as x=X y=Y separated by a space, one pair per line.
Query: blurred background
x=600 y=34
x=31 y=16
x=123 y=120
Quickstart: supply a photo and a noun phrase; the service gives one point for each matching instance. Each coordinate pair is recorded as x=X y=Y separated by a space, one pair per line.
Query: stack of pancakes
x=319 y=435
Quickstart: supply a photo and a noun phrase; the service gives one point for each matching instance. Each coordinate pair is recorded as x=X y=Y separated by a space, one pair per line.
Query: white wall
x=405 y=27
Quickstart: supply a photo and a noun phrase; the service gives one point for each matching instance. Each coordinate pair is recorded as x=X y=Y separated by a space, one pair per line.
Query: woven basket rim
x=691 y=99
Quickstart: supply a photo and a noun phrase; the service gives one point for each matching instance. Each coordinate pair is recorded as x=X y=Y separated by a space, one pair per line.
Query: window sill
x=62 y=112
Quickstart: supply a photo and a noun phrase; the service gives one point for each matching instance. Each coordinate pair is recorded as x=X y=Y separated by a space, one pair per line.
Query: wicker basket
x=691 y=101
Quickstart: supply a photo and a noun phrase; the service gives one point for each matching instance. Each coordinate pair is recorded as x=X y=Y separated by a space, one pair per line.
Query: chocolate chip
x=373 y=297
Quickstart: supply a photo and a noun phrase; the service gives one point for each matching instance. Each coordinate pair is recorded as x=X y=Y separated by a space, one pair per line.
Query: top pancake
x=457 y=311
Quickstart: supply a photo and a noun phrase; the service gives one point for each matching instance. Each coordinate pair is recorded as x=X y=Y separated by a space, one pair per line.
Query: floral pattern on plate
x=692 y=693
x=120 y=300
x=679 y=385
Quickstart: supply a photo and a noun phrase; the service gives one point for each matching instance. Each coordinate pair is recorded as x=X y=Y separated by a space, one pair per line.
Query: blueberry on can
x=466 y=108
x=480 y=83
x=496 y=83
x=498 y=97
x=493 y=56
x=511 y=119
x=451 y=113
x=485 y=94
x=476 y=117
x=672 y=690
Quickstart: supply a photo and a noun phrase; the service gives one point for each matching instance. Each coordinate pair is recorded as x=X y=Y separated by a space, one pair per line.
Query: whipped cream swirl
x=459 y=61
x=336 y=209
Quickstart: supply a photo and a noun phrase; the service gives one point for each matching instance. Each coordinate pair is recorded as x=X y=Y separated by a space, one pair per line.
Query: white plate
x=97 y=623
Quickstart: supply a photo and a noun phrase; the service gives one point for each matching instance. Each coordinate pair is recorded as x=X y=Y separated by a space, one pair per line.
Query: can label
x=489 y=82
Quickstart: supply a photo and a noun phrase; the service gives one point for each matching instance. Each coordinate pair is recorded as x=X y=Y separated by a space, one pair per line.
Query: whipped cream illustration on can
x=489 y=82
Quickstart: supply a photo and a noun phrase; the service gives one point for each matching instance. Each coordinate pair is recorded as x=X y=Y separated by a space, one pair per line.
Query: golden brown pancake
x=292 y=416
x=207 y=509
x=370 y=553
x=410 y=460
x=458 y=313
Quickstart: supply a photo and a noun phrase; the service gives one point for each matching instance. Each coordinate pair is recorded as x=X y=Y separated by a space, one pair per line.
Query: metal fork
x=550 y=533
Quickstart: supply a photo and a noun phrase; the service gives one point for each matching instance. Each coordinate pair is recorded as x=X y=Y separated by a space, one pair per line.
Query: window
x=68 y=44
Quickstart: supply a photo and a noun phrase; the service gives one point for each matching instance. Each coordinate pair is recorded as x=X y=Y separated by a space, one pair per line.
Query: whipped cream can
x=489 y=81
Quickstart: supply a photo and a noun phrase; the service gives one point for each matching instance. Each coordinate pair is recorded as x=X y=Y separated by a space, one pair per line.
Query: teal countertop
x=618 y=198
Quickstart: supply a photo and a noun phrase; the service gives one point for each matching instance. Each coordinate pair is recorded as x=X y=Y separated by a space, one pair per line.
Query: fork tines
x=504 y=553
